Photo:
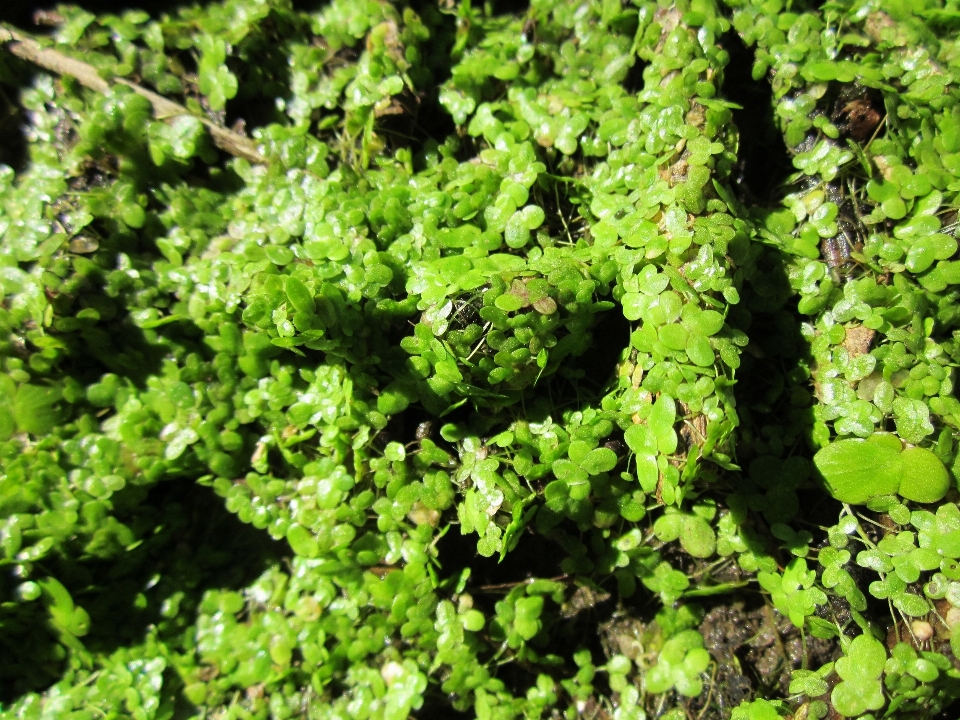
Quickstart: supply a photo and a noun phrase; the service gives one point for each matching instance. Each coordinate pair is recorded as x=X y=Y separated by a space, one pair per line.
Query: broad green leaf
x=640 y=439
x=852 y=699
x=863 y=660
x=856 y=470
x=674 y=336
x=700 y=351
x=924 y=479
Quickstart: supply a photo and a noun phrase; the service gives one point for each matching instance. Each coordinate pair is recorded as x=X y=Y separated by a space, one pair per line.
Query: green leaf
x=300 y=296
x=395 y=398
x=856 y=470
x=852 y=699
x=215 y=79
x=302 y=541
x=395 y=452
x=700 y=351
x=924 y=479
x=633 y=305
x=863 y=660
x=759 y=709
x=640 y=439
x=64 y=615
x=697 y=537
x=668 y=527
x=910 y=604
x=661 y=420
x=843 y=71
x=473 y=620
x=36 y=408
x=912 y=418
x=509 y=302
x=599 y=460
x=674 y=336
x=807 y=682
x=704 y=322
x=71 y=31
x=491 y=542
x=186 y=132
x=948 y=544
x=527 y=621
x=924 y=670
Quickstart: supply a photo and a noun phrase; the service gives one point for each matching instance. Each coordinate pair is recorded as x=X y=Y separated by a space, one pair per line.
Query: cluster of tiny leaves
x=864 y=236
x=382 y=337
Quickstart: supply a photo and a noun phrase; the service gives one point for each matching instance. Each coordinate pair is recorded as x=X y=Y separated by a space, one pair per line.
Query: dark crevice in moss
x=611 y=336
x=633 y=83
x=507 y=7
x=488 y=576
x=437 y=707
x=763 y=160
x=14 y=150
x=582 y=379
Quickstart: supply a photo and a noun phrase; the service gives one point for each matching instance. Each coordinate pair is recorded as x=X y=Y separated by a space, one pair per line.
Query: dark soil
x=756 y=651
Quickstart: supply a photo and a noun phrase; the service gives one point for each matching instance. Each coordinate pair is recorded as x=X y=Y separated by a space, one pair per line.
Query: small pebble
x=953 y=617
x=922 y=630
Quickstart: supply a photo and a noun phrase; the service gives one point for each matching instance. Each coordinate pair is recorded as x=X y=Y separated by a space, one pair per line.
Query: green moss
x=494 y=351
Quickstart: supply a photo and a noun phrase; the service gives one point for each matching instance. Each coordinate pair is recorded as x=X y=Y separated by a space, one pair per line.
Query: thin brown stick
x=508 y=585
x=31 y=51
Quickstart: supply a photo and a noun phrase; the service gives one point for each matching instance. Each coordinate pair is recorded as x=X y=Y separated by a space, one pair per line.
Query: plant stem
x=30 y=50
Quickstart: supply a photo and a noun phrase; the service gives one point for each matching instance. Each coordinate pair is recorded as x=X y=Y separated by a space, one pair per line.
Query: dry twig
x=30 y=50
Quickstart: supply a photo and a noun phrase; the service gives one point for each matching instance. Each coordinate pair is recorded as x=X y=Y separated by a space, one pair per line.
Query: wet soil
x=756 y=650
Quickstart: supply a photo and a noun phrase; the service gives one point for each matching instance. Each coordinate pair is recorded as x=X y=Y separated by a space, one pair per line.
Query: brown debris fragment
x=861 y=118
x=50 y=18
x=858 y=340
x=583 y=598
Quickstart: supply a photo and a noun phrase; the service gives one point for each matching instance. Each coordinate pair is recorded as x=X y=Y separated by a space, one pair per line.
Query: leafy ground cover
x=388 y=360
